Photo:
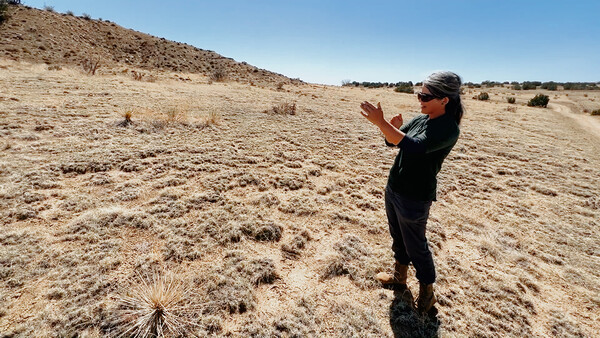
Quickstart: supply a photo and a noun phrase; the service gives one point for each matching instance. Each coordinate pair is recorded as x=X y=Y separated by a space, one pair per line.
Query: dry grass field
x=158 y=195
x=255 y=211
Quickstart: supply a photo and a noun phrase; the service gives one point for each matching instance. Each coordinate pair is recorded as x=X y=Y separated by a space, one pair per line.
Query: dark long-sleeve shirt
x=422 y=151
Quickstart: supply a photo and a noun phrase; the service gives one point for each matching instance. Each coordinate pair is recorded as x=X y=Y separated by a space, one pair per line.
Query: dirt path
x=588 y=123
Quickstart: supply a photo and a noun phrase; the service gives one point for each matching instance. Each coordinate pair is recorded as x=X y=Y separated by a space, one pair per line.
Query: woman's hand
x=397 y=121
x=372 y=113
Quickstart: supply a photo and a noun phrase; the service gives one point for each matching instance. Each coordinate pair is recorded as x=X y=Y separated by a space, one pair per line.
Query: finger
x=378 y=105
x=367 y=104
x=363 y=114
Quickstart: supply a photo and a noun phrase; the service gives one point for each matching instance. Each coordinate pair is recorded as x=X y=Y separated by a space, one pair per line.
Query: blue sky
x=323 y=41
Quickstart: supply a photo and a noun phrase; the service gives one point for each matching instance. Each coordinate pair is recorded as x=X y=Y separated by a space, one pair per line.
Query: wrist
x=382 y=124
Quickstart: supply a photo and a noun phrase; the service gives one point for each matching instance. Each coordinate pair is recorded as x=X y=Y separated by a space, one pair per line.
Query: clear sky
x=327 y=41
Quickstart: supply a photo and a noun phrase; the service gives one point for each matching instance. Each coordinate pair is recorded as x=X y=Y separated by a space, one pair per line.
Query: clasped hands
x=375 y=115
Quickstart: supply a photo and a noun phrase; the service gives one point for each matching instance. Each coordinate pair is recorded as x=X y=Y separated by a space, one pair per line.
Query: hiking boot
x=397 y=280
x=426 y=298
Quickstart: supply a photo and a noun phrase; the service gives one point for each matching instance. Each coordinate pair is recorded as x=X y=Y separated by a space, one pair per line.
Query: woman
x=424 y=143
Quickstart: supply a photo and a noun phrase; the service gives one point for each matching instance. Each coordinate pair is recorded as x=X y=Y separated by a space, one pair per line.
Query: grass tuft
x=285 y=108
x=355 y=259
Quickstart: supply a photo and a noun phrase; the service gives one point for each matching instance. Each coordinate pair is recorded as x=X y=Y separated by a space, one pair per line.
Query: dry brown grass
x=276 y=222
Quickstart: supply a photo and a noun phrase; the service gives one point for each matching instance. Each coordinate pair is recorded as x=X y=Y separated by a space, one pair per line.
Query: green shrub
x=529 y=86
x=595 y=112
x=549 y=85
x=540 y=100
x=511 y=100
x=3 y=8
x=404 y=89
x=516 y=86
x=580 y=86
x=483 y=96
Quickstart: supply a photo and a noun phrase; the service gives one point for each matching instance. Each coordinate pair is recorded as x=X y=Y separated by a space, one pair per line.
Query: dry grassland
x=270 y=223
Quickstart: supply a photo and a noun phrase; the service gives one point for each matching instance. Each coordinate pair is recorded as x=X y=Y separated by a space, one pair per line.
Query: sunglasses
x=425 y=97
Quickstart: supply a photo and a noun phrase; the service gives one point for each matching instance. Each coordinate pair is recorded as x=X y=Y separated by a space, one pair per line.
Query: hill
x=53 y=38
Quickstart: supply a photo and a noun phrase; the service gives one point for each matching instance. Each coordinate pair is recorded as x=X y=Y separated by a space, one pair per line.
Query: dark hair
x=447 y=84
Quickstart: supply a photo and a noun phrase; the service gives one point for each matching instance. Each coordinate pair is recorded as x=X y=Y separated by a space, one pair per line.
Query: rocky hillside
x=35 y=35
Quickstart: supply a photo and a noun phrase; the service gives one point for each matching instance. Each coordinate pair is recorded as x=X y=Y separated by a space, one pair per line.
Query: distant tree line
x=407 y=87
x=531 y=85
x=401 y=87
x=365 y=84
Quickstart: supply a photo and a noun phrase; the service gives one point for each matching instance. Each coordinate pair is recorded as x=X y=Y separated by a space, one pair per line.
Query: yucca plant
x=154 y=307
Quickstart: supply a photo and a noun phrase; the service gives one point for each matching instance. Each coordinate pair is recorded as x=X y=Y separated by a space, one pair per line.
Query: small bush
x=516 y=86
x=90 y=66
x=595 y=112
x=540 y=100
x=137 y=76
x=404 y=89
x=86 y=16
x=3 y=8
x=483 y=96
x=49 y=8
x=69 y=13
x=219 y=75
x=511 y=100
x=529 y=85
x=549 y=85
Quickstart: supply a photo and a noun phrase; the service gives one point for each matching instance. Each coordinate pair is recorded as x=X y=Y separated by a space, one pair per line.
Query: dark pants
x=407 y=220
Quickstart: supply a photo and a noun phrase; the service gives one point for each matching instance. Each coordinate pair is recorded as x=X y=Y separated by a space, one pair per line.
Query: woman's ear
x=445 y=100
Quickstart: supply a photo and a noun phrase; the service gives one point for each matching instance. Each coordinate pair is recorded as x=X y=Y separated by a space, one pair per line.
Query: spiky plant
x=155 y=307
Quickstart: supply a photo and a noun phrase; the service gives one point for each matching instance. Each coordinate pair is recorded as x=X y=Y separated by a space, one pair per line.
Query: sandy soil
x=277 y=221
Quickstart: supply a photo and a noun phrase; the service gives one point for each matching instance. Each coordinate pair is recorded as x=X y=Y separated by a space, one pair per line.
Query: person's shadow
x=406 y=322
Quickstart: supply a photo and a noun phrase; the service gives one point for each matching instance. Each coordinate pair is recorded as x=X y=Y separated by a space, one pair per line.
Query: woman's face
x=433 y=107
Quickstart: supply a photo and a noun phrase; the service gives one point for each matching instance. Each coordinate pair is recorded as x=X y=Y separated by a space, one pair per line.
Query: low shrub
x=529 y=86
x=595 y=112
x=540 y=100
x=516 y=86
x=404 y=89
x=218 y=75
x=550 y=85
x=3 y=8
x=90 y=66
x=511 y=100
x=483 y=96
